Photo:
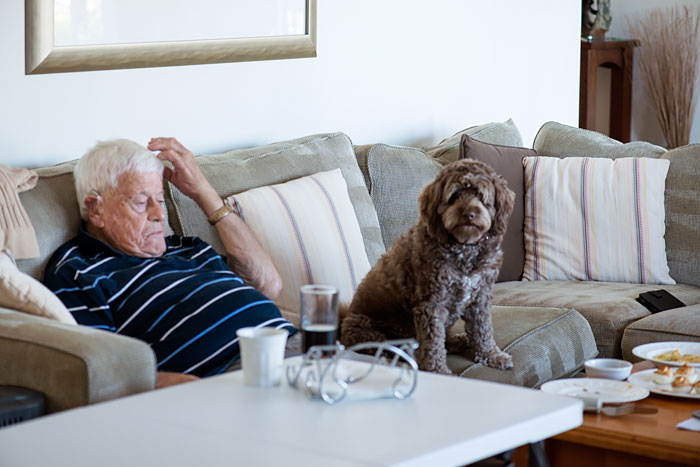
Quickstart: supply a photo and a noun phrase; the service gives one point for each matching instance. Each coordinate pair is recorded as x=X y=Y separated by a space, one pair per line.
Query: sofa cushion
x=361 y=155
x=53 y=210
x=679 y=324
x=608 y=306
x=682 y=201
x=397 y=175
x=508 y=162
x=309 y=229
x=505 y=133
x=556 y=139
x=546 y=344
x=242 y=169
x=20 y=291
x=595 y=219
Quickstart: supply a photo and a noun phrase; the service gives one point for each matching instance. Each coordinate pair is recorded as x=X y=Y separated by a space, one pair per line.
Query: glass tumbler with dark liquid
x=319 y=315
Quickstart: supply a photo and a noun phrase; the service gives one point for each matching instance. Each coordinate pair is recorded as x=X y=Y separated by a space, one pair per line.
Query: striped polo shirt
x=187 y=304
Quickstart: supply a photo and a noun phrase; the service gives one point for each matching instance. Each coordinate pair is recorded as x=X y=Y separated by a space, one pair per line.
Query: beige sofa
x=536 y=322
x=618 y=321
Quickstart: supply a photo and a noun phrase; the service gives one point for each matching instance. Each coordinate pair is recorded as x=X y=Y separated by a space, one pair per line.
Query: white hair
x=99 y=169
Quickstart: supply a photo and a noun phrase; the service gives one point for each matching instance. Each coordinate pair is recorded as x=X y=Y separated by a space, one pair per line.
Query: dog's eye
x=453 y=197
x=486 y=199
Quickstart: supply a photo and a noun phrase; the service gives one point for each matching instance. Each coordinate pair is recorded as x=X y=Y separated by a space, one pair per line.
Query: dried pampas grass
x=668 y=60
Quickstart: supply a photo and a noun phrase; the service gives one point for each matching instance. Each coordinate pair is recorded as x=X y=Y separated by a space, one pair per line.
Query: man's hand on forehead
x=185 y=173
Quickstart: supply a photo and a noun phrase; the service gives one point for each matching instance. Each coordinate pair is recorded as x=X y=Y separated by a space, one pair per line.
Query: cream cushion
x=22 y=292
x=595 y=219
x=309 y=229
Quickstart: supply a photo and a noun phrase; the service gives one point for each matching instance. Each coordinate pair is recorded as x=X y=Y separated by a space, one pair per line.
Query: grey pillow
x=682 y=205
x=53 y=209
x=397 y=176
x=505 y=133
x=559 y=140
x=507 y=161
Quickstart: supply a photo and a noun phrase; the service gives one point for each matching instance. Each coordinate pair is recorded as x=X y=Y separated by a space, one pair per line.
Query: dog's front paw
x=434 y=367
x=440 y=370
x=498 y=360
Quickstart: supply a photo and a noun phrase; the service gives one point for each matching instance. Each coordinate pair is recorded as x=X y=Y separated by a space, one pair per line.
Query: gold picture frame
x=42 y=56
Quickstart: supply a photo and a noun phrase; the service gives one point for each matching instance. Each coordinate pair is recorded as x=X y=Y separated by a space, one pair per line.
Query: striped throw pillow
x=309 y=228
x=595 y=219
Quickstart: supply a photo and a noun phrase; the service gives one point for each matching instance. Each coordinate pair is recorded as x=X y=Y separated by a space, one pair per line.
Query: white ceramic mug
x=262 y=355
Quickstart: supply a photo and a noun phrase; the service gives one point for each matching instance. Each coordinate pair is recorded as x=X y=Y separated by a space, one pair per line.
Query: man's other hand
x=166 y=378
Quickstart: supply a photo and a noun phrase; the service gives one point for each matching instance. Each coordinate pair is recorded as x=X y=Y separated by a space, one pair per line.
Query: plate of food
x=673 y=354
x=609 y=391
x=670 y=381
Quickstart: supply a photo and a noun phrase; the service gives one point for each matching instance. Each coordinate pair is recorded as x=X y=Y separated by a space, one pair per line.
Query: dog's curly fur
x=441 y=269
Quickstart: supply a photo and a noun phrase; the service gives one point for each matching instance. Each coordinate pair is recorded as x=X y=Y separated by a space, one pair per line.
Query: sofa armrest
x=72 y=365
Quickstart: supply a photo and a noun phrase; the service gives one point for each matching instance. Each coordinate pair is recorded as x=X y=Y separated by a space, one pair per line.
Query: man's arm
x=167 y=378
x=246 y=257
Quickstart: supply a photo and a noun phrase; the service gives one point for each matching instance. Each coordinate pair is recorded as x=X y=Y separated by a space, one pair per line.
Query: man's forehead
x=135 y=183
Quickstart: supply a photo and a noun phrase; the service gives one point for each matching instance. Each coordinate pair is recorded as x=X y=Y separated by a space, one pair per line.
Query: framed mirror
x=85 y=35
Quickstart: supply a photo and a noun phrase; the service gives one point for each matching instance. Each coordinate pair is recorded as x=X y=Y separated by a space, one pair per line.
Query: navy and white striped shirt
x=187 y=304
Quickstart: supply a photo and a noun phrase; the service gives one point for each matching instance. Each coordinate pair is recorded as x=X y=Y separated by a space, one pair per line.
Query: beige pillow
x=595 y=219
x=22 y=292
x=309 y=228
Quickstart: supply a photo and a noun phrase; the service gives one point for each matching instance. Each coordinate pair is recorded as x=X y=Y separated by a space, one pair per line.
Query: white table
x=219 y=421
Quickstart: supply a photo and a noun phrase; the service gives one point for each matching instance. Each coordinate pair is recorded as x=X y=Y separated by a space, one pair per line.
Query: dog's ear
x=505 y=197
x=429 y=203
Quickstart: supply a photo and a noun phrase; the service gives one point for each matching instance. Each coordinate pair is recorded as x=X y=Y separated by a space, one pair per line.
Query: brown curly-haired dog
x=441 y=269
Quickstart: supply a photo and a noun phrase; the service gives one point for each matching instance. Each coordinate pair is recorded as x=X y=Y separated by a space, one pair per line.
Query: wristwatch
x=223 y=211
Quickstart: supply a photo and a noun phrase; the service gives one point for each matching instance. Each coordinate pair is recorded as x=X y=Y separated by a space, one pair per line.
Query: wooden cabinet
x=619 y=56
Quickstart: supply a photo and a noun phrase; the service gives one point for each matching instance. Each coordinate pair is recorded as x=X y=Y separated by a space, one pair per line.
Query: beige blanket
x=16 y=232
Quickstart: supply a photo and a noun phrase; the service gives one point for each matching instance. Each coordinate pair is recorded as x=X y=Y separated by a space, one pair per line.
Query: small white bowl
x=608 y=368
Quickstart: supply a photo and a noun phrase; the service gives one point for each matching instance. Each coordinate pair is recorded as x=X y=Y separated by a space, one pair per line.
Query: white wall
x=645 y=126
x=397 y=71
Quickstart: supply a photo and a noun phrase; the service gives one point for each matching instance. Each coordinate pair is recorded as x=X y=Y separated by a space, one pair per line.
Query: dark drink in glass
x=318 y=334
x=319 y=315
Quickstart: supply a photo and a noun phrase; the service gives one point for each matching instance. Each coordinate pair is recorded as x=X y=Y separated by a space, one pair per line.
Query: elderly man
x=121 y=274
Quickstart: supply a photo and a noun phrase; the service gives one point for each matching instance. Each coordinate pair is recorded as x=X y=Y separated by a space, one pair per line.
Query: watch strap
x=220 y=213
